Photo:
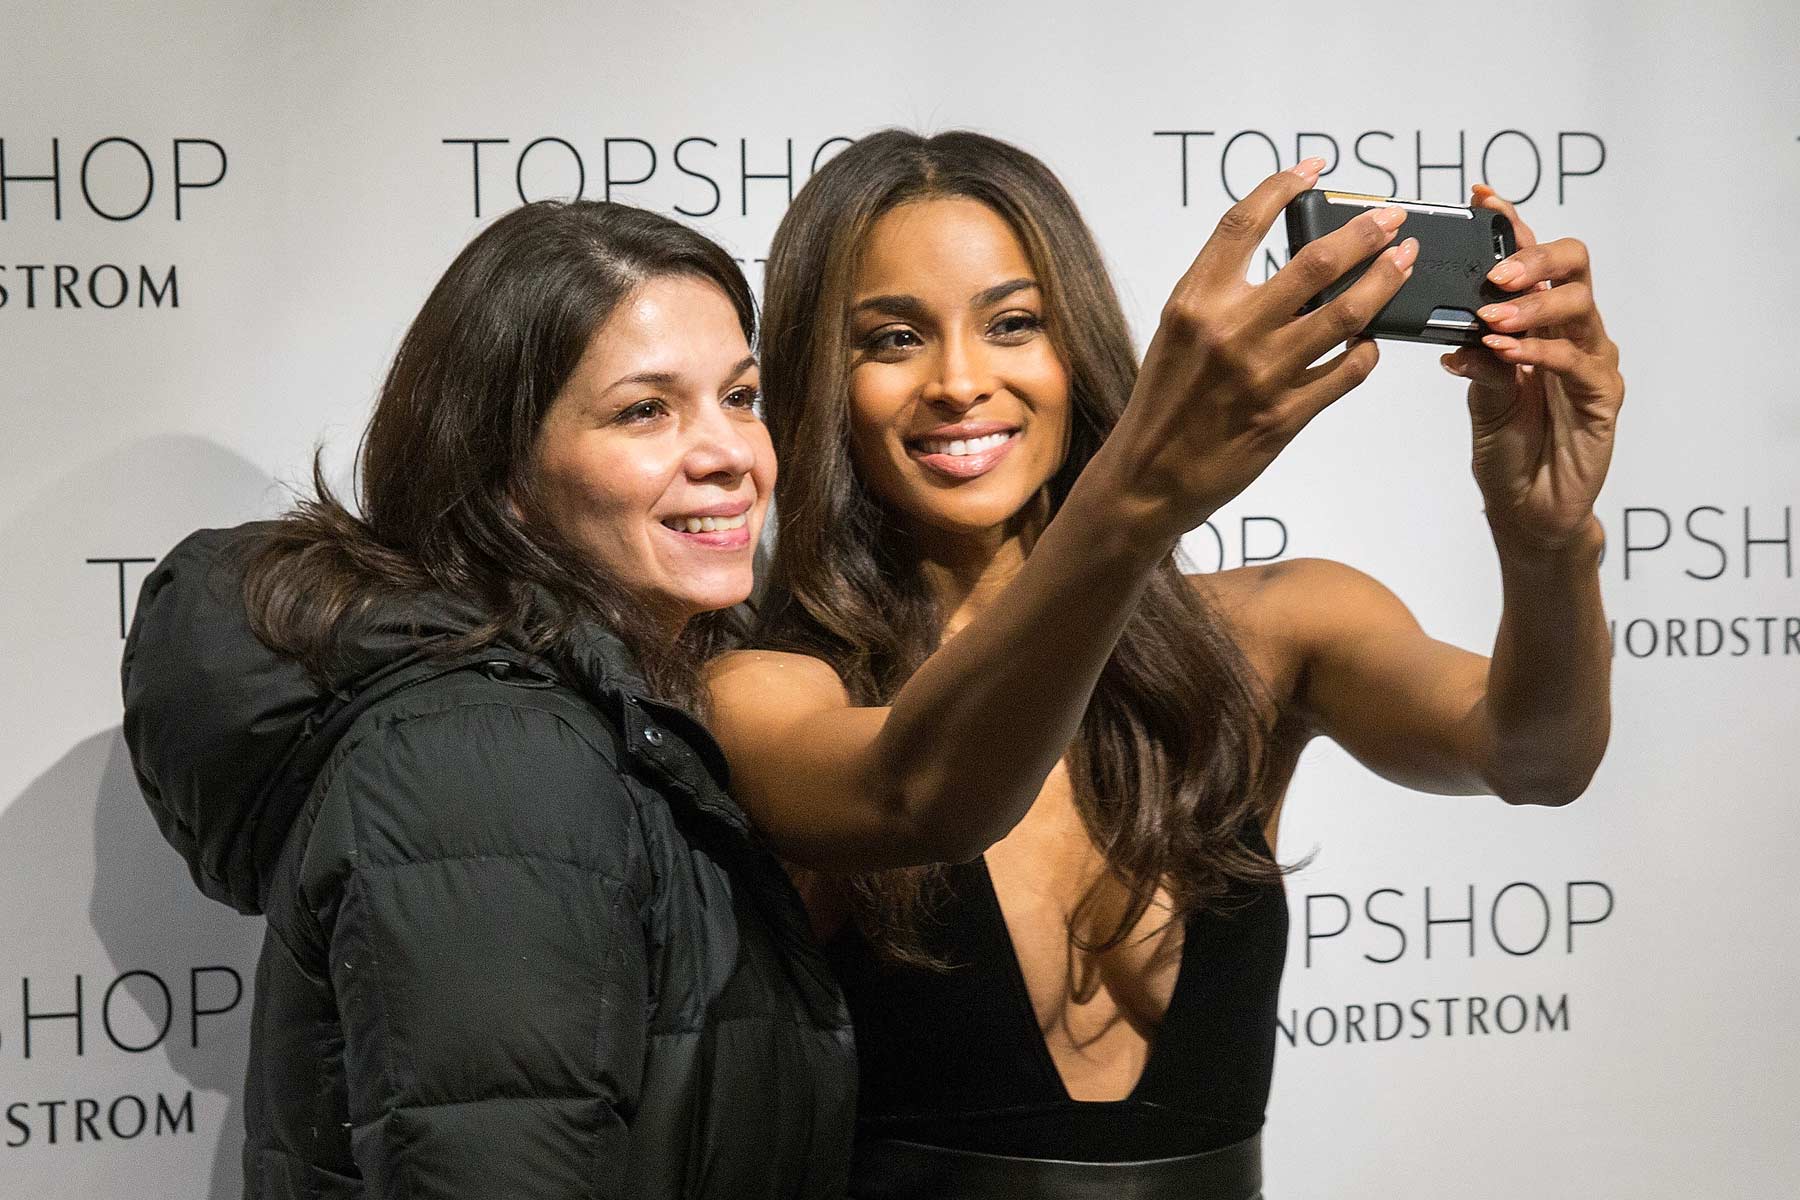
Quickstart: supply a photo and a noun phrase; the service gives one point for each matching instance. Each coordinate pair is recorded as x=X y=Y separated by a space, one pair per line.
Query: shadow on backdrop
x=80 y=840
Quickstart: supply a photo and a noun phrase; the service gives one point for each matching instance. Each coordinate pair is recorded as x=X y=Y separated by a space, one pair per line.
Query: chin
x=964 y=520
x=969 y=509
x=711 y=599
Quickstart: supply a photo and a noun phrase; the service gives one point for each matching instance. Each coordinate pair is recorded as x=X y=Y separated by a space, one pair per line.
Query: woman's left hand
x=1544 y=395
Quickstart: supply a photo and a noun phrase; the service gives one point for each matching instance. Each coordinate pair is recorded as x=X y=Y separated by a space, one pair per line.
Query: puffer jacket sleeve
x=476 y=872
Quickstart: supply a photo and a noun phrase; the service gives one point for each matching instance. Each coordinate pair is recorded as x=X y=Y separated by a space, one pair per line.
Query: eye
x=890 y=340
x=642 y=412
x=745 y=399
x=1015 y=326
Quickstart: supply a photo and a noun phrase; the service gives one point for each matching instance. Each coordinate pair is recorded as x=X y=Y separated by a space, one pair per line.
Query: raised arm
x=965 y=747
x=1529 y=724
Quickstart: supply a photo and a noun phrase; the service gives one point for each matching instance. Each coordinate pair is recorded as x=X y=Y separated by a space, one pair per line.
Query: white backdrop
x=246 y=203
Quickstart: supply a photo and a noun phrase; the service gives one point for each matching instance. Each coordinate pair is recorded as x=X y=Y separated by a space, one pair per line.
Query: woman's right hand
x=1230 y=376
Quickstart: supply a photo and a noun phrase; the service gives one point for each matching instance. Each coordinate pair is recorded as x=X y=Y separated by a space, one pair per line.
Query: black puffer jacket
x=520 y=944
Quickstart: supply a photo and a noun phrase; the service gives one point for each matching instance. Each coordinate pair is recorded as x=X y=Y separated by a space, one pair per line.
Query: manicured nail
x=1404 y=254
x=1495 y=313
x=1449 y=365
x=1495 y=342
x=1506 y=272
x=1389 y=219
x=1308 y=167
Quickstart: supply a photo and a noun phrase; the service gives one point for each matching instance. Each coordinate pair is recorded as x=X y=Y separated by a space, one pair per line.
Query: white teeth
x=958 y=447
x=706 y=524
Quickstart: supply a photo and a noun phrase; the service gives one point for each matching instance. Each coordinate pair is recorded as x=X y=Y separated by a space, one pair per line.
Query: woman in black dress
x=977 y=639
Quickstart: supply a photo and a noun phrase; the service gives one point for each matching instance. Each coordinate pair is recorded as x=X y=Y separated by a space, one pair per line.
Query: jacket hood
x=226 y=735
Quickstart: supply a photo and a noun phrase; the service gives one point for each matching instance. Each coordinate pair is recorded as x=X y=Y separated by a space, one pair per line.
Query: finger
x=1226 y=256
x=1349 y=314
x=1569 y=310
x=1478 y=368
x=1483 y=196
x=1587 y=372
x=1338 y=375
x=1322 y=262
x=1561 y=261
x=1496 y=389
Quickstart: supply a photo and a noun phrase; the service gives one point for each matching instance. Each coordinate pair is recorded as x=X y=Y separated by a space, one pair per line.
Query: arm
x=1531 y=724
x=967 y=743
x=472 y=874
x=969 y=740
x=1549 y=705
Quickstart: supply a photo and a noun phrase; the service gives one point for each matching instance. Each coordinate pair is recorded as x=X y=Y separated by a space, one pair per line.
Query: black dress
x=955 y=1059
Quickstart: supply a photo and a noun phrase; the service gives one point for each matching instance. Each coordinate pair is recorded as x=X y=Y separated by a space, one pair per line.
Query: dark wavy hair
x=448 y=496
x=1167 y=759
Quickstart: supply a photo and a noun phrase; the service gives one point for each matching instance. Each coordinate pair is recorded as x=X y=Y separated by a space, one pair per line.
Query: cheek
x=879 y=395
x=1054 y=405
x=602 y=498
x=766 y=469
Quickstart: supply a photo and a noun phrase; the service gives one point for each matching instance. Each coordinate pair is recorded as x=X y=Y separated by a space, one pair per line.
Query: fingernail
x=1308 y=167
x=1505 y=273
x=1495 y=342
x=1451 y=367
x=1495 y=313
x=1405 y=253
x=1389 y=218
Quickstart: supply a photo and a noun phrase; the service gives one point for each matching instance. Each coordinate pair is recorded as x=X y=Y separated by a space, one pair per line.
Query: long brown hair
x=447 y=489
x=1165 y=765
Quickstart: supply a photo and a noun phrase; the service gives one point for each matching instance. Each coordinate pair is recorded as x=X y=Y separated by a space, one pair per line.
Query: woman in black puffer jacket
x=521 y=942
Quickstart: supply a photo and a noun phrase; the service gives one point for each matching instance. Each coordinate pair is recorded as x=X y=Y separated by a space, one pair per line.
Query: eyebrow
x=911 y=308
x=1001 y=291
x=670 y=378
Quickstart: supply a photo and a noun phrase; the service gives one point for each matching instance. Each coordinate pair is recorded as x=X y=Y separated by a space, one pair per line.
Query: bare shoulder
x=771 y=666
x=763 y=687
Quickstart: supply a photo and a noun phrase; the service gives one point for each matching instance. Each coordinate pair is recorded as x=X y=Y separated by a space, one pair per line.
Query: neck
x=663 y=627
x=966 y=570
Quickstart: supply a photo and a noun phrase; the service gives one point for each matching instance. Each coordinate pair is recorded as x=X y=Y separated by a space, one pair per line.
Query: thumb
x=1493 y=385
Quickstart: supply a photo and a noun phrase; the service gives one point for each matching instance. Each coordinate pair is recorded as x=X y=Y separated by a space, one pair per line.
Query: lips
x=706 y=524
x=958 y=447
x=718 y=528
x=963 y=452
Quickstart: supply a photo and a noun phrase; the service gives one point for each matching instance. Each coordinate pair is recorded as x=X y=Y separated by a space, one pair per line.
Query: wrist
x=1124 y=511
x=1576 y=552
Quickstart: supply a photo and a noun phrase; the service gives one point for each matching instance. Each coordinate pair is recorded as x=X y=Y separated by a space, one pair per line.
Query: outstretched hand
x=1234 y=370
x=1544 y=393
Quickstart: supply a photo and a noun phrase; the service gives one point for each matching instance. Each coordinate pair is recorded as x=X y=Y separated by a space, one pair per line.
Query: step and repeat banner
x=215 y=221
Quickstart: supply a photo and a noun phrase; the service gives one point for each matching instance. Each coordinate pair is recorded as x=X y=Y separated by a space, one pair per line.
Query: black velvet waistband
x=890 y=1169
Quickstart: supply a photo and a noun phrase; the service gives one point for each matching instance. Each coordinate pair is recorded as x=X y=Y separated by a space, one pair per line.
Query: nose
x=963 y=377
x=720 y=449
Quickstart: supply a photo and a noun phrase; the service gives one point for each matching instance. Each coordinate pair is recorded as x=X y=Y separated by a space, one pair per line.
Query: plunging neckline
x=1022 y=1000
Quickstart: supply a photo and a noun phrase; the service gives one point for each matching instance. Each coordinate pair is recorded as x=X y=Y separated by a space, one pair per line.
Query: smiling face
x=653 y=459
x=959 y=403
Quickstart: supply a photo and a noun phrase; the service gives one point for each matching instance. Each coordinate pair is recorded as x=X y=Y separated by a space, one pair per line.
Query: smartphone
x=1457 y=248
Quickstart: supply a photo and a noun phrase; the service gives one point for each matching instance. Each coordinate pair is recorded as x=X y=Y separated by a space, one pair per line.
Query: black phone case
x=1457 y=248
